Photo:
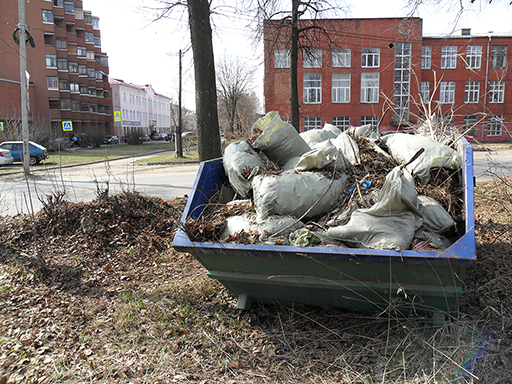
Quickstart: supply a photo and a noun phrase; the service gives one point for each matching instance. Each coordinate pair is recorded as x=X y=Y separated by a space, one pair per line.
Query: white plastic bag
x=403 y=147
x=238 y=156
x=280 y=141
x=319 y=157
x=296 y=193
x=435 y=216
x=313 y=137
x=348 y=147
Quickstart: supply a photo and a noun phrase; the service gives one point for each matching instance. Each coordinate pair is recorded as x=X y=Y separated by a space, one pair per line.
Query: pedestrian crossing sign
x=1 y=125
x=67 y=126
x=117 y=115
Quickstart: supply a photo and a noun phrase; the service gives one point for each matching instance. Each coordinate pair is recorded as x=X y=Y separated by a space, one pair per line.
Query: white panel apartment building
x=139 y=107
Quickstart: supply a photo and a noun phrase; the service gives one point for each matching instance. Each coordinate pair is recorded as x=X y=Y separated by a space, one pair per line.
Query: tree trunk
x=208 y=135
x=294 y=55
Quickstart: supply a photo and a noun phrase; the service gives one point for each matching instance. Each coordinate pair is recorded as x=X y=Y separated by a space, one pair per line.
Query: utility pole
x=23 y=86
x=179 y=129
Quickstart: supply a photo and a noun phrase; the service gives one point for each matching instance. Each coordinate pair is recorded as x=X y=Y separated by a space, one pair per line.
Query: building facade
x=386 y=73
x=139 y=107
x=68 y=71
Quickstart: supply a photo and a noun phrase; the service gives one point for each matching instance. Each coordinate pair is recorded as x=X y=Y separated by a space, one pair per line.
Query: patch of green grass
x=170 y=157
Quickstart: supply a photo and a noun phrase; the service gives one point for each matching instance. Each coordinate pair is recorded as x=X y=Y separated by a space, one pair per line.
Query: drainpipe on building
x=485 y=86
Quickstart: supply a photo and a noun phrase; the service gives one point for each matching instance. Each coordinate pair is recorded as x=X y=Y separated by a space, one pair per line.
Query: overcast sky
x=142 y=52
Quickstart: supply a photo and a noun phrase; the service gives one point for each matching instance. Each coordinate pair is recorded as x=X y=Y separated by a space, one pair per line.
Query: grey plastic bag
x=238 y=156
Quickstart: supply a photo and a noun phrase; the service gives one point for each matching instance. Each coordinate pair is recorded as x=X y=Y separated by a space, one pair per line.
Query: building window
x=58 y=3
x=91 y=73
x=64 y=85
x=91 y=90
x=79 y=13
x=51 y=61
x=495 y=125
x=69 y=7
x=369 y=87
x=372 y=120
x=341 y=58
x=90 y=55
x=61 y=44
x=87 y=18
x=447 y=92
x=74 y=87
x=89 y=37
x=84 y=106
x=97 y=41
x=53 y=82
x=65 y=103
x=370 y=57
x=82 y=70
x=470 y=123
x=342 y=122
x=81 y=51
x=312 y=58
x=499 y=56
x=496 y=91
x=54 y=103
x=96 y=23
x=312 y=88
x=75 y=105
x=449 y=57
x=341 y=87
x=83 y=89
x=402 y=82
x=47 y=16
x=472 y=92
x=73 y=67
x=62 y=64
x=312 y=122
x=99 y=75
x=474 y=56
x=426 y=57
x=72 y=49
x=425 y=92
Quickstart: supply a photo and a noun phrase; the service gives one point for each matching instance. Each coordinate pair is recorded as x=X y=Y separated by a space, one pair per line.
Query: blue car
x=38 y=153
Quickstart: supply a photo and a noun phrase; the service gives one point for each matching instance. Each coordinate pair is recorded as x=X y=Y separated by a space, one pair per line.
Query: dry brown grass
x=95 y=293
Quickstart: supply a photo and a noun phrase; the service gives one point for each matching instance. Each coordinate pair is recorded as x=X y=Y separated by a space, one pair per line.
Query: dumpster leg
x=244 y=301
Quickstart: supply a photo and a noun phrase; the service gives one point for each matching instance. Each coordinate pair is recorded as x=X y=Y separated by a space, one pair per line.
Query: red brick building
x=359 y=71
x=68 y=71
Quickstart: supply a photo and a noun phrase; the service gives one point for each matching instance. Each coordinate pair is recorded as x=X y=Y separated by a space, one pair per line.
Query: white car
x=5 y=157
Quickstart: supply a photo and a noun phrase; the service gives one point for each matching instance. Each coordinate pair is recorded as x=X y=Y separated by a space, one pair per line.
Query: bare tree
x=234 y=79
x=285 y=27
x=199 y=13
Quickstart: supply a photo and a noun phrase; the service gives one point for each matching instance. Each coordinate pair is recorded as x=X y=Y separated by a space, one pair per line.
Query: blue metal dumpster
x=363 y=280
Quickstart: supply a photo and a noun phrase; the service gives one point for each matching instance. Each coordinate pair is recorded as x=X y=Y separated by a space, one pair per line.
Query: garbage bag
x=364 y=131
x=403 y=147
x=332 y=128
x=261 y=229
x=319 y=157
x=279 y=140
x=296 y=193
x=390 y=223
x=313 y=137
x=304 y=237
x=241 y=164
x=435 y=217
x=348 y=147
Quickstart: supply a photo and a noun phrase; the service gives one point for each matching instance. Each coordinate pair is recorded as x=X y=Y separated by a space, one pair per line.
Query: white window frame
x=341 y=58
x=72 y=67
x=470 y=124
x=449 y=57
x=81 y=51
x=47 y=16
x=312 y=58
x=425 y=92
x=426 y=57
x=74 y=87
x=373 y=120
x=312 y=88
x=499 y=56
x=447 y=92
x=61 y=44
x=474 y=57
x=495 y=125
x=370 y=58
x=496 y=91
x=340 y=87
x=369 y=87
x=52 y=82
x=69 y=7
x=312 y=122
x=62 y=64
x=472 y=92
x=342 y=122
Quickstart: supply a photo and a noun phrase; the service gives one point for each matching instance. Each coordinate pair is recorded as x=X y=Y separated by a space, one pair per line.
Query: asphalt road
x=81 y=183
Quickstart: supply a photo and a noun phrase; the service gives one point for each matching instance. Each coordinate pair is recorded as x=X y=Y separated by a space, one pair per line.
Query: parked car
x=5 y=157
x=156 y=136
x=111 y=139
x=38 y=153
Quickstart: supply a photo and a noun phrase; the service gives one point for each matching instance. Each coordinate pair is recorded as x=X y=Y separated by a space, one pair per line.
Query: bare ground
x=95 y=293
